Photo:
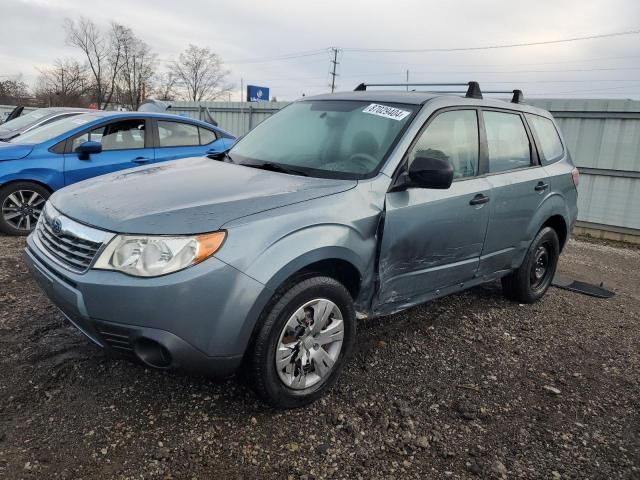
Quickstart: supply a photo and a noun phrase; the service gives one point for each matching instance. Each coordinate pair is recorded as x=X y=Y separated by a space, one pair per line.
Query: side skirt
x=391 y=308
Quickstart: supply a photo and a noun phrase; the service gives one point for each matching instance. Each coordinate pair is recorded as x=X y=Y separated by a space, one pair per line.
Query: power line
x=490 y=72
x=491 y=47
x=436 y=64
x=587 y=90
x=288 y=56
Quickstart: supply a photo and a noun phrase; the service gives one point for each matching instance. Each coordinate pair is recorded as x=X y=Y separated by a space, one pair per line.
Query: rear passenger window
x=452 y=136
x=207 y=136
x=177 y=134
x=507 y=140
x=548 y=137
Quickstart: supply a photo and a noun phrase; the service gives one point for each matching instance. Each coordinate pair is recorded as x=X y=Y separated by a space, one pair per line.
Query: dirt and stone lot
x=470 y=386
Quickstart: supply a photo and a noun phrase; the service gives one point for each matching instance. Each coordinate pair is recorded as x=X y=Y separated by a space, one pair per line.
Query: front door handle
x=541 y=187
x=141 y=160
x=479 y=199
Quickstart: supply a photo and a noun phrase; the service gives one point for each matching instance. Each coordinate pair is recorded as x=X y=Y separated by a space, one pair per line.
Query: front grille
x=73 y=245
x=73 y=251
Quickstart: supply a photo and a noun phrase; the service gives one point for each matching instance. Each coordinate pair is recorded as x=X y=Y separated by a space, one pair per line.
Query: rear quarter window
x=207 y=136
x=548 y=138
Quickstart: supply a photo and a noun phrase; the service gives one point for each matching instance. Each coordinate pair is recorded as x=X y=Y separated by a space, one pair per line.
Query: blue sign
x=257 y=94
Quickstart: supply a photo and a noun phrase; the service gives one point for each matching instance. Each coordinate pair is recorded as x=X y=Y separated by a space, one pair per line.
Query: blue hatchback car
x=50 y=157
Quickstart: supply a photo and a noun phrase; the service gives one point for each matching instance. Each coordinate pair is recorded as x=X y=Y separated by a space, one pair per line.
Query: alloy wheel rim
x=541 y=266
x=310 y=344
x=21 y=209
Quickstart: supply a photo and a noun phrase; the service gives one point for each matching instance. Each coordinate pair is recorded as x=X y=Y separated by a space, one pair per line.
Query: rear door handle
x=141 y=160
x=541 y=186
x=479 y=199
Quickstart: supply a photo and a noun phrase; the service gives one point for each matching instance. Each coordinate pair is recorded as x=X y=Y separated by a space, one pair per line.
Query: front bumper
x=199 y=319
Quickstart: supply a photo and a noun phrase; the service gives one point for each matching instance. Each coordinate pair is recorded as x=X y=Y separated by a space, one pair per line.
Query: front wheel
x=303 y=343
x=530 y=282
x=20 y=206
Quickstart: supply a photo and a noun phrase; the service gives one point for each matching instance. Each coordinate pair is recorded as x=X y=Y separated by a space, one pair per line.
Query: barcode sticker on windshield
x=386 y=112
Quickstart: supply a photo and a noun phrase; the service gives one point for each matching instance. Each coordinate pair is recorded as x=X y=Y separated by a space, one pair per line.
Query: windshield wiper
x=276 y=167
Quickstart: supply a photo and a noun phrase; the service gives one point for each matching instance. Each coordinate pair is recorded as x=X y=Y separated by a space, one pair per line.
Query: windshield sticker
x=386 y=112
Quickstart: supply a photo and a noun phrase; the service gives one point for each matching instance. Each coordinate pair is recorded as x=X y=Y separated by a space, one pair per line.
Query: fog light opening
x=152 y=353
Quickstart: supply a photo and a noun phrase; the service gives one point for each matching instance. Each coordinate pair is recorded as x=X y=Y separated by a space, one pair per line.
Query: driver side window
x=452 y=136
x=121 y=135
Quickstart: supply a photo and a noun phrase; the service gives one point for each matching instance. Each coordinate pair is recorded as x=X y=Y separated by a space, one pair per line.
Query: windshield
x=326 y=138
x=52 y=130
x=24 y=120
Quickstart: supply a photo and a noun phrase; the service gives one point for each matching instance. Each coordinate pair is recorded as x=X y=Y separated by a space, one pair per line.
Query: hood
x=10 y=151
x=194 y=195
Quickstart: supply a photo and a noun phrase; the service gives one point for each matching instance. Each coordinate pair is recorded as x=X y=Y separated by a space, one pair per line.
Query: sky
x=253 y=37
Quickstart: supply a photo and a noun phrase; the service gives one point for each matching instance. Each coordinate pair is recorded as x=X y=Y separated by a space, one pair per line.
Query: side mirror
x=430 y=172
x=88 y=148
x=217 y=153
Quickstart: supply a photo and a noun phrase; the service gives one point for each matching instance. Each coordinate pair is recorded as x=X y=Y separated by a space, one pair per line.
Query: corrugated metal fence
x=602 y=135
x=235 y=117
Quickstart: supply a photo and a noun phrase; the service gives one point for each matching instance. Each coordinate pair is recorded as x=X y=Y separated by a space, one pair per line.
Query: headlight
x=151 y=256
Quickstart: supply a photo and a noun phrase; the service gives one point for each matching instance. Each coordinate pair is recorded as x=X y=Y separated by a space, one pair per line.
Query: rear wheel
x=303 y=343
x=20 y=206
x=531 y=281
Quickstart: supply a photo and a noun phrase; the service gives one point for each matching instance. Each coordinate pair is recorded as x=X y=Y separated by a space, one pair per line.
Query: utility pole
x=241 y=89
x=407 y=79
x=333 y=69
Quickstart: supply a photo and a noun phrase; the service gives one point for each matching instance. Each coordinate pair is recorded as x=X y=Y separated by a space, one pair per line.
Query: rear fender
x=554 y=204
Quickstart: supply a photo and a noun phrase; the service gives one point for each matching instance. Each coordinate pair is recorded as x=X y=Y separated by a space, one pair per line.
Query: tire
x=531 y=280
x=302 y=352
x=20 y=207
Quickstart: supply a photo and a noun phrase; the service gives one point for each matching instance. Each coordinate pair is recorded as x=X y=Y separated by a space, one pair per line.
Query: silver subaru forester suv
x=339 y=206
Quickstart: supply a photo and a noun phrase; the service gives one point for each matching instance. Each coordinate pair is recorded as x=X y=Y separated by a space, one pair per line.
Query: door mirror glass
x=88 y=148
x=430 y=172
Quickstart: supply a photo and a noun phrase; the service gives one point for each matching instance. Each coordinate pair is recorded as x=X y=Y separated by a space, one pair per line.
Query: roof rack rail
x=473 y=89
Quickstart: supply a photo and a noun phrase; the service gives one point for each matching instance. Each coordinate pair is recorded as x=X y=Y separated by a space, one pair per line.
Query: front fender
x=25 y=171
x=273 y=265
x=275 y=262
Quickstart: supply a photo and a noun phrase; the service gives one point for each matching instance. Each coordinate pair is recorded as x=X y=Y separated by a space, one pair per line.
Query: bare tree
x=13 y=91
x=103 y=52
x=63 y=84
x=201 y=74
x=166 y=85
x=138 y=64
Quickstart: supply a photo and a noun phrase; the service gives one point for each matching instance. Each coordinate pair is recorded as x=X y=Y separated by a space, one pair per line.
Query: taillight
x=575 y=177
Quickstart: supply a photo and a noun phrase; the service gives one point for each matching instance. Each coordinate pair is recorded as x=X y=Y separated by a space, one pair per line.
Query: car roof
x=50 y=111
x=159 y=115
x=388 y=96
x=167 y=116
x=422 y=97
x=113 y=113
x=68 y=109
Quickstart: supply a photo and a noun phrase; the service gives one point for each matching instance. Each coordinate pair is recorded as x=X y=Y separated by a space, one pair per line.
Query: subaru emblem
x=56 y=226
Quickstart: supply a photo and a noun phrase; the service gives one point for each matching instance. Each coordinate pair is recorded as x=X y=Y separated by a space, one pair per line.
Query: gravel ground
x=470 y=386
